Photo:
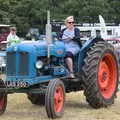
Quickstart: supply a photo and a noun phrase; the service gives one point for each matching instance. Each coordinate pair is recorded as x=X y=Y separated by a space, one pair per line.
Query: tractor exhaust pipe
x=48 y=35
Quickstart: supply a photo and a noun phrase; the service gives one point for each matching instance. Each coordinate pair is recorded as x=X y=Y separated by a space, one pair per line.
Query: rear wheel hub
x=107 y=75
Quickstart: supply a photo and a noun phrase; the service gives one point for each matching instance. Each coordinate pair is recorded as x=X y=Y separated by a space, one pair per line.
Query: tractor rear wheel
x=100 y=75
x=55 y=98
x=3 y=98
x=37 y=99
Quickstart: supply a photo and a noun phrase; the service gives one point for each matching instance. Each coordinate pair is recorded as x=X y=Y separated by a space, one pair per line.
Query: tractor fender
x=84 y=50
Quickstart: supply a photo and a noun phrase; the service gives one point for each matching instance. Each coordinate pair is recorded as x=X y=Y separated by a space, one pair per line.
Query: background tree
x=32 y=13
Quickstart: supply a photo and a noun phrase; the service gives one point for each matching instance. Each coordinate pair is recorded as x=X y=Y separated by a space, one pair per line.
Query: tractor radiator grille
x=17 y=64
x=23 y=63
x=11 y=63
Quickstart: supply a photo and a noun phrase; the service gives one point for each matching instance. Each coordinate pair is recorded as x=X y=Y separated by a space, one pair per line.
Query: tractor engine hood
x=39 y=48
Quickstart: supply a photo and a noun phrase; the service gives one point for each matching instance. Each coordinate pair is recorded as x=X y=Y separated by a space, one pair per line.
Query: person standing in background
x=12 y=38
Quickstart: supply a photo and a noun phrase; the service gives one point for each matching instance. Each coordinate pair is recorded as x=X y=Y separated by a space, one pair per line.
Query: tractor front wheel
x=3 y=99
x=55 y=98
x=3 y=103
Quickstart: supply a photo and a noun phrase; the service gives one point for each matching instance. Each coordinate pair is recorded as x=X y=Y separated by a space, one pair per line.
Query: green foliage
x=32 y=13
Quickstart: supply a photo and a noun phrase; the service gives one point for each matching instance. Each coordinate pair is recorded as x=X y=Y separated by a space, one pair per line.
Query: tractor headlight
x=39 y=64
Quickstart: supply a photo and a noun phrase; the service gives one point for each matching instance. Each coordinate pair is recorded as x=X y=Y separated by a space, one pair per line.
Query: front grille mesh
x=17 y=63
x=23 y=64
x=11 y=63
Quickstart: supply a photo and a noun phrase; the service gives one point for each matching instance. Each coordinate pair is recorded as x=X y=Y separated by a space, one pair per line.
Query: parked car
x=116 y=43
x=4 y=31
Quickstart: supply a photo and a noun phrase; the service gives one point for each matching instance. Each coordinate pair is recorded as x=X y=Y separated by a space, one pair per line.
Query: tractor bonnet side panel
x=21 y=60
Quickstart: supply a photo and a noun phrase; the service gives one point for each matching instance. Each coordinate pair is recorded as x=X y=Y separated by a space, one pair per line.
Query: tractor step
x=67 y=79
x=73 y=80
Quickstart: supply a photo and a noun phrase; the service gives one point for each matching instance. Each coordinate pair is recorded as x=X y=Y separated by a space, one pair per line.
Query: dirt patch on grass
x=76 y=108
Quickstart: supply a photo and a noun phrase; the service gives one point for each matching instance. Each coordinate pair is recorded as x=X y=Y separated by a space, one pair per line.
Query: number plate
x=16 y=84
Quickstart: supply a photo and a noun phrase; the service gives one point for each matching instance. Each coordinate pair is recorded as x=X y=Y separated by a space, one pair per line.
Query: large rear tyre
x=37 y=99
x=55 y=98
x=3 y=98
x=100 y=75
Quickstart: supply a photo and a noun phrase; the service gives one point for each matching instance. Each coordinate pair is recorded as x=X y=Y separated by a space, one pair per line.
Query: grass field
x=76 y=108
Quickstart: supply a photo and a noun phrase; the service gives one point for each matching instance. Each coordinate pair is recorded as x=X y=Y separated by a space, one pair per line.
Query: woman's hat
x=70 y=18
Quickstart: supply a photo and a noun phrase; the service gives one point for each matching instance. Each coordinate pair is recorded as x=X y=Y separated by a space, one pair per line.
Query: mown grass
x=76 y=108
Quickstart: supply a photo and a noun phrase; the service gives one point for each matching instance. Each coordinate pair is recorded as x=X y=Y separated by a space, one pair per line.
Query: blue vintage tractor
x=39 y=70
x=45 y=80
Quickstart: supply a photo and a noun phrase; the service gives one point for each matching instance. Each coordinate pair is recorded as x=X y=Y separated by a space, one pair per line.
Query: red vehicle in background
x=4 y=31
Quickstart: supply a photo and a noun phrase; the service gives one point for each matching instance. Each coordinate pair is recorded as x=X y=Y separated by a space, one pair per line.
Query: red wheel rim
x=58 y=99
x=1 y=103
x=107 y=76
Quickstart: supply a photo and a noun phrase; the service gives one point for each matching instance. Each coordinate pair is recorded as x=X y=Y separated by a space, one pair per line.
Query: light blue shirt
x=70 y=45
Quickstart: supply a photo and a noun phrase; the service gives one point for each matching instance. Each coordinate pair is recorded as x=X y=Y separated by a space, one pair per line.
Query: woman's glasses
x=70 y=22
